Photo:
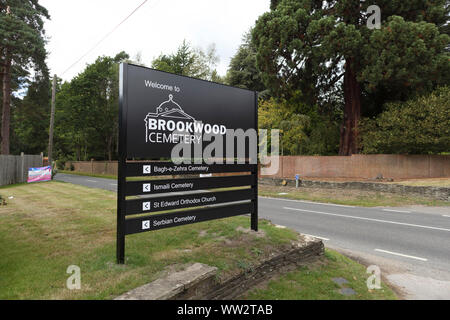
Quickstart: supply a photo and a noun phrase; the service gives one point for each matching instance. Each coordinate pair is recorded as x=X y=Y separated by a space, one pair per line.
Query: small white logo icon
x=146 y=187
x=145 y=224
x=146 y=169
x=146 y=206
x=167 y=109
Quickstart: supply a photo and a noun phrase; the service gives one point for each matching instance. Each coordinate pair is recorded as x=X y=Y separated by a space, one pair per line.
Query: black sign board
x=160 y=112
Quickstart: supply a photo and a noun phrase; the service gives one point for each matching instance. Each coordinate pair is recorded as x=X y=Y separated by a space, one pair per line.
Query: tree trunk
x=110 y=146
x=352 y=112
x=6 y=104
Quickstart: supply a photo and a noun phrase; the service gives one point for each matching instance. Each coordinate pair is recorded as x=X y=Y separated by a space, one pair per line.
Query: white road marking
x=401 y=255
x=447 y=216
x=321 y=238
x=327 y=204
x=370 y=219
x=91 y=180
x=310 y=202
x=113 y=184
x=401 y=211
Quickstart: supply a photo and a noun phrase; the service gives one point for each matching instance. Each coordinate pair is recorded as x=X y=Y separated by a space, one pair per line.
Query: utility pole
x=52 y=120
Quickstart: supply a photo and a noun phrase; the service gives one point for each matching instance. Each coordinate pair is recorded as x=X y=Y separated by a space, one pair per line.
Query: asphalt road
x=100 y=183
x=424 y=237
x=407 y=242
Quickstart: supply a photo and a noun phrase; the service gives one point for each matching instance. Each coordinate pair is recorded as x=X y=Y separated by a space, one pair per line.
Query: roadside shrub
x=302 y=130
x=54 y=171
x=418 y=126
x=60 y=164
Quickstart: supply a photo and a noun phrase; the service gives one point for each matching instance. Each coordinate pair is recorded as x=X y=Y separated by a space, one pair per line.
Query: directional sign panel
x=138 y=169
x=168 y=220
x=163 y=203
x=180 y=185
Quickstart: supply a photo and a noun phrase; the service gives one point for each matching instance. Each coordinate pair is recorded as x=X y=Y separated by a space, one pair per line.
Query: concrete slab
x=421 y=288
x=174 y=283
x=347 y=291
x=340 y=281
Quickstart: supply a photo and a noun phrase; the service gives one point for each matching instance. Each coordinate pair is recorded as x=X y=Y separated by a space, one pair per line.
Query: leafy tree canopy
x=87 y=112
x=243 y=71
x=22 y=33
x=421 y=125
x=22 y=47
x=31 y=117
x=304 y=132
x=319 y=47
x=192 y=62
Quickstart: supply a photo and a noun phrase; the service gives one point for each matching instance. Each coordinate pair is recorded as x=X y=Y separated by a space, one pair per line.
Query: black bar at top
x=139 y=169
x=134 y=188
x=168 y=220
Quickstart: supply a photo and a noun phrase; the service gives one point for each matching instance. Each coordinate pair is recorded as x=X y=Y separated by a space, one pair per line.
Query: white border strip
x=401 y=211
x=321 y=238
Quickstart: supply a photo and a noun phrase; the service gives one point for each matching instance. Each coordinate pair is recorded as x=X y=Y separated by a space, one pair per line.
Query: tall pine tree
x=30 y=117
x=22 y=47
x=314 y=45
x=243 y=71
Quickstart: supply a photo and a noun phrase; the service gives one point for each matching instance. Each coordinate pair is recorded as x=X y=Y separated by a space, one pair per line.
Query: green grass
x=347 y=197
x=48 y=226
x=106 y=176
x=438 y=182
x=314 y=282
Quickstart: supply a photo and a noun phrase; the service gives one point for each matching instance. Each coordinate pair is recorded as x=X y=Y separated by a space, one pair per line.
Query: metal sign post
x=159 y=111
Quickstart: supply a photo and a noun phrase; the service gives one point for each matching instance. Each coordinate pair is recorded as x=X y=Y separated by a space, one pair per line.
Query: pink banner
x=39 y=174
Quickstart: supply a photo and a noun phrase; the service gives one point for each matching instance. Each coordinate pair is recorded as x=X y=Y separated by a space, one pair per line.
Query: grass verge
x=46 y=227
x=347 y=196
x=314 y=282
x=437 y=182
x=337 y=196
x=106 y=176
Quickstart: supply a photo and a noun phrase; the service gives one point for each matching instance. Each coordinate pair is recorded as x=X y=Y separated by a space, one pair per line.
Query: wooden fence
x=94 y=167
x=14 y=169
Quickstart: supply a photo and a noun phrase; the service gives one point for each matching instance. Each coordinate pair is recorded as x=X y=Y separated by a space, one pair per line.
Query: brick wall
x=365 y=166
x=356 y=166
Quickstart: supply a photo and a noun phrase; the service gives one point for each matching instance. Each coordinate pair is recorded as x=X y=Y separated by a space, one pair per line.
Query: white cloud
x=158 y=27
